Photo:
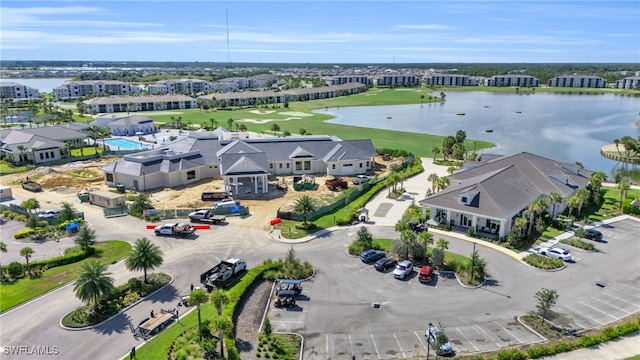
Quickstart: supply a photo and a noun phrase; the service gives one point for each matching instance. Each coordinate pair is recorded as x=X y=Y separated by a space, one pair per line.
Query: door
x=135 y=184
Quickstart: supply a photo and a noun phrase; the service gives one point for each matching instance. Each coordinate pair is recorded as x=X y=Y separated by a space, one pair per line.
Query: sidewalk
x=614 y=350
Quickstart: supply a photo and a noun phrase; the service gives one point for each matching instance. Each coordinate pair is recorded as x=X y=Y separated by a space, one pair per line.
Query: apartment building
x=19 y=92
x=512 y=80
x=578 y=81
x=75 y=89
x=451 y=80
x=632 y=82
x=190 y=86
x=109 y=104
x=395 y=80
x=262 y=80
x=347 y=79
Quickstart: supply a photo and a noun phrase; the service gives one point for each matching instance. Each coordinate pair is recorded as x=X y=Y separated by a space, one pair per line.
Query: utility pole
x=473 y=258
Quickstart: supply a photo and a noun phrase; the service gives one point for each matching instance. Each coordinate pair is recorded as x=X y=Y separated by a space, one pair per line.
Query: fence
x=119 y=211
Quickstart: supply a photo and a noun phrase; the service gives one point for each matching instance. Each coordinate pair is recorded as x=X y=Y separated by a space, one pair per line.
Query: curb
x=484 y=281
x=564 y=265
x=266 y=310
x=530 y=329
x=118 y=313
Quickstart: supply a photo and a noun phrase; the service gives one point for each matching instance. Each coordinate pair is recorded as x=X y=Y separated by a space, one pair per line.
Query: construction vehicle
x=205 y=215
x=223 y=274
x=174 y=229
x=31 y=186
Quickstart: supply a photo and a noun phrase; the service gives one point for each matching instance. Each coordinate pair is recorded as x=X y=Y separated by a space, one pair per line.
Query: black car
x=593 y=234
x=384 y=264
x=417 y=226
x=369 y=256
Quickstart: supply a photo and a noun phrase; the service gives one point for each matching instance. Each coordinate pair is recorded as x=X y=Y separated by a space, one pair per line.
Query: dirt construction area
x=77 y=176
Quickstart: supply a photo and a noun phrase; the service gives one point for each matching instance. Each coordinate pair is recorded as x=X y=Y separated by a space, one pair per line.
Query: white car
x=360 y=179
x=431 y=334
x=47 y=214
x=557 y=253
x=403 y=269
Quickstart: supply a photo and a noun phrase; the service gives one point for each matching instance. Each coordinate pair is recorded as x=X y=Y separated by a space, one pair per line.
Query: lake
x=44 y=85
x=564 y=127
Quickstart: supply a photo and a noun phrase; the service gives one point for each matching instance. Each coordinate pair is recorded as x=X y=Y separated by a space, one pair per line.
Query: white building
x=40 y=144
x=451 y=80
x=395 y=80
x=190 y=86
x=75 y=89
x=346 y=79
x=632 y=82
x=512 y=80
x=109 y=104
x=15 y=91
x=127 y=125
x=578 y=81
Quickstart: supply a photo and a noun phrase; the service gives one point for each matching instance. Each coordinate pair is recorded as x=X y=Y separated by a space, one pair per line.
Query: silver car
x=403 y=269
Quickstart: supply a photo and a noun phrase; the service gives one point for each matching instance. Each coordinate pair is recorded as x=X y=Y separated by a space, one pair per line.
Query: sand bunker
x=260 y=112
x=295 y=113
x=264 y=121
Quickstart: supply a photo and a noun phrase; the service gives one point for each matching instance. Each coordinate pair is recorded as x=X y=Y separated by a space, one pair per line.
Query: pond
x=564 y=127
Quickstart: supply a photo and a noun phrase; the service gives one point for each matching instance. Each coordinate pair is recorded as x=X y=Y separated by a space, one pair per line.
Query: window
x=47 y=155
x=41 y=156
x=333 y=166
x=52 y=156
x=280 y=166
x=298 y=165
x=109 y=177
x=288 y=165
x=367 y=164
x=191 y=174
x=307 y=165
x=360 y=165
x=271 y=166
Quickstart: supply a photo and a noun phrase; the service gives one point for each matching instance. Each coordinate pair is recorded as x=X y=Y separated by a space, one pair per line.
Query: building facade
x=512 y=80
x=632 y=82
x=110 y=104
x=396 y=80
x=347 y=79
x=18 y=92
x=189 y=86
x=76 y=89
x=578 y=81
x=42 y=144
x=451 y=80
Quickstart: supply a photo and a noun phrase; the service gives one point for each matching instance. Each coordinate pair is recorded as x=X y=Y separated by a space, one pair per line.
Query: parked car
x=557 y=253
x=369 y=256
x=593 y=234
x=285 y=298
x=384 y=264
x=47 y=214
x=360 y=179
x=417 y=226
x=424 y=276
x=432 y=334
x=403 y=269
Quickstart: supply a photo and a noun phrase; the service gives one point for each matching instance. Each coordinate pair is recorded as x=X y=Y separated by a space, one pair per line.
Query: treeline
x=144 y=78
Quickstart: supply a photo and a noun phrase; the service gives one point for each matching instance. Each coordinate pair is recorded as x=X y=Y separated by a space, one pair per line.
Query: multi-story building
x=262 y=80
x=15 y=91
x=346 y=79
x=190 y=86
x=632 y=82
x=512 y=80
x=451 y=80
x=109 y=104
x=395 y=80
x=236 y=82
x=75 y=89
x=578 y=81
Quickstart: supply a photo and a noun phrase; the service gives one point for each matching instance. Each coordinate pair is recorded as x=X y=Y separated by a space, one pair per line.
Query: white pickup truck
x=206 y=216
x=360 y=179
x=177 y=229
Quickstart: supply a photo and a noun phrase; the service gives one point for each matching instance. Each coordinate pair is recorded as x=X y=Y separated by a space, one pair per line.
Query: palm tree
x=95 y=133
x=435 y=151
x=434 y=181
x=179 y=122
x=3 y=248
x=30 y=204
x=535 y=208
x=520 y=224
x=596 y=180
x=302 y=131
x=86 y=237
x=624 y=188
x=242 y=127
x=198 y=297
x=583 y=195
x=93 y=283
x=305 y=205
x=554 y=198
x=21 y=148
x=573 y=203
x=173 y=119
x=425 y=238
x=442 y=96
x=617 y=143
x=230 y=123
x=212 y=121
x=224 y=327
x=421 y=98
x=144 y=256
x=442 y=183
x=443 y=244
x=275 y=128
x=451 y=169
x=219 y=298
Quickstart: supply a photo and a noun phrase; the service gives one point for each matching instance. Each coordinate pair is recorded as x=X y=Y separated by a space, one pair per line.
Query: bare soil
x=250 y=311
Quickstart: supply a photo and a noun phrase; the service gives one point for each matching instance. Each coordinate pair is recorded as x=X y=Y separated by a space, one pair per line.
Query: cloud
x=425 y=27
x=527 y=39
x=275 y=51
x=45 y=17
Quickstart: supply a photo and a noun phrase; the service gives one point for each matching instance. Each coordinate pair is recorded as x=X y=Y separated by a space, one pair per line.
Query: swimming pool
x=124 y=144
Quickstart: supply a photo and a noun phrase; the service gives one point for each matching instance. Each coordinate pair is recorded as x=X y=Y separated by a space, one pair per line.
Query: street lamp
x=144 y=180
x=473 y=258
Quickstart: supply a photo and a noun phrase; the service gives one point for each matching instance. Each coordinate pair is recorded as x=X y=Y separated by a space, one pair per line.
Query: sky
x=317 y=31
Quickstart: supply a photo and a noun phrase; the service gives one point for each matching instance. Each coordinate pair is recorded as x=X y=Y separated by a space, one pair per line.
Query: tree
x=3 y=248
x=86 y=237
x=219 y=298
x=435 y=151
x=405 y=244
x=546 y=299
x=425 y=238
x=302 y=131
x=451 y=170
x=572 y=203
x=477 y=267
x=624 y=188
x=140 y=203
x=421 y=98
x=95 y=133
x=442 y=183
x=275 y=128
x=93 y=283
x=443 y=244
x=230 y=123
x=242 y=127
x=30 y=204
x=305 y=205
x=27 y=252
x=212 y=121
x=15 y=269
x=554 y=198
x=364 y=237
x=443 y=96
x=266 y=328
x=21 y=148
x=67 y=211
x=80 y=107
x=198 y=297
x=535 y=208
x=434 y=181
x=596 y=180
x=437 y=258
x=617 y=144
x=224 y=327
x=583 y=196
x=144 y=256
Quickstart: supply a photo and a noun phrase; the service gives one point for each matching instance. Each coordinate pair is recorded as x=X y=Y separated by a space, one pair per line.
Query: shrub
x=588 y=341
x=15 y=270
x=130 y=298
x=579 y=244
x=64 y=260
x=628 y=328
x=24 y=233
x=63 y=225
x=356 y=248
x=543 y=262
x=562 y=347
x=511 y=354
x=538 y=351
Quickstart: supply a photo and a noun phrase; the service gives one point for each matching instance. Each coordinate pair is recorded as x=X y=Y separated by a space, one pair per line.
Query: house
x=109 y=104
x=578 y=81
x=75 y=89
x=512 y=80
x=40 y=144
x=489 y=197
x=127 y=125
x=243 y=163
x=632 y=82
x=18 y=92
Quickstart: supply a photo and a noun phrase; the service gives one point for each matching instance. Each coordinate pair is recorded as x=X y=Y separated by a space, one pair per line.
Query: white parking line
x=465 y=336
x=509 y=332
x=375 y=346
x=400 y=346
x=613 y=306
x=617 y=298
x=585 y=315
x=598 y=310
x=426 y=349
x=351 y=345
x=634 y=288
x=487 y=335
x=624 y=292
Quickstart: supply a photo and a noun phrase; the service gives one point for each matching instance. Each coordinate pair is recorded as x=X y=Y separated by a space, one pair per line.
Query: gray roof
x=508 y=184
x=244 y=163
x=57 y=132
x=41 y=138
x=103 y=100
x=131 y=120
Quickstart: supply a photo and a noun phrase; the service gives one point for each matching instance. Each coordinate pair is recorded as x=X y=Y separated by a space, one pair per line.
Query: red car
x=425 y=274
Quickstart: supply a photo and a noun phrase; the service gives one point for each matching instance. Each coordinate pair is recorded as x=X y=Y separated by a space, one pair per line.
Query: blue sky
x=322 y=31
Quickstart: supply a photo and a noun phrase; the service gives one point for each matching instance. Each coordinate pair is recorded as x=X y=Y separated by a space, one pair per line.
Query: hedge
x=63 y=225
x=24 y=233
x=64 y=260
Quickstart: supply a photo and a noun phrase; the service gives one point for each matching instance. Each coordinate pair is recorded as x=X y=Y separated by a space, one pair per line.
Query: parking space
x=291 y=319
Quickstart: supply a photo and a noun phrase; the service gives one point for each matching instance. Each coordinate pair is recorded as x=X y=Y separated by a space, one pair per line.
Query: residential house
x=109 y=104
x=578 y=81
x=127 y=125
x=18 y=92
x=40 y=144
x=76 y=89
x=489 y=197
x=512 y=80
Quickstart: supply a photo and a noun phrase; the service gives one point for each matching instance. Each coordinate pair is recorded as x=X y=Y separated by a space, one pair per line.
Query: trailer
x=223 y=274
x=31 y=186
x=214 y=196
x=205 y=215
x=154 y=324
x=175 y=229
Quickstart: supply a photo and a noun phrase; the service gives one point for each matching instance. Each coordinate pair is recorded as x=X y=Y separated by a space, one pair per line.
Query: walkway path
x=614 y=350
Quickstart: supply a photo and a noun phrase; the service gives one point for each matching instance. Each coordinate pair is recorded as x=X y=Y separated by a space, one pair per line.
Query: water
x=44 y=85
x=124 y=144
x=558 y=126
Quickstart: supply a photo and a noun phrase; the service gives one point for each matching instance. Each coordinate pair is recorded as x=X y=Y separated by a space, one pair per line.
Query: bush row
x=42 y=265
x=24 y=233
x=543 y=262
x=392 y=152
x=12 y=215
x=585 y=341
x=580 y=244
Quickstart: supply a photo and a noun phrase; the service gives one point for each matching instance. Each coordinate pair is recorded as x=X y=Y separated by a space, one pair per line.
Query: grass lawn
x=449 y=257
x=90 y=150
x=637 y=357
x=384 y=244
x=6 y=169
x=26 y=289
x=610 y=205
x=288 y=120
